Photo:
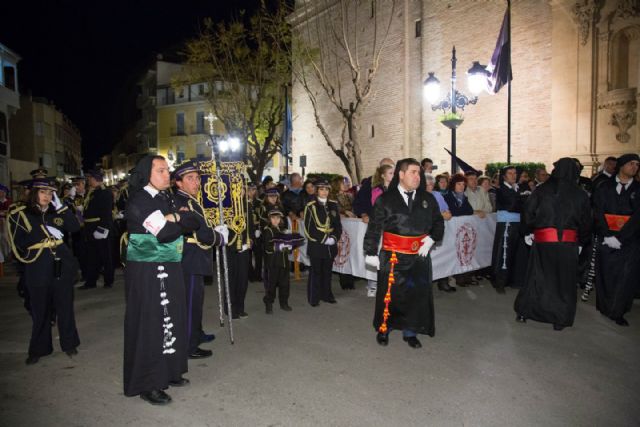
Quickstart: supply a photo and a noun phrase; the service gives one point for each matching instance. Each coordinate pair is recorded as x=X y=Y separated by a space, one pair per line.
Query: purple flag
x=500 y=64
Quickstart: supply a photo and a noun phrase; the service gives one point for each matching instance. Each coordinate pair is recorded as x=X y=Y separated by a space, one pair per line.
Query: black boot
x=443 y=285
x=268 y=307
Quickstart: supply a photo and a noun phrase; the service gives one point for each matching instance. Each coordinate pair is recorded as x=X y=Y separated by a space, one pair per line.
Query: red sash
x=402 y=244
x=550 y=235
x=616 y=222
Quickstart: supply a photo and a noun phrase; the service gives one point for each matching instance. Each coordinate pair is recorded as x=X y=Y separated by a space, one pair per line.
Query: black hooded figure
x=509 y=256
x=155 y=331
x=558 y=214
x=404 y=222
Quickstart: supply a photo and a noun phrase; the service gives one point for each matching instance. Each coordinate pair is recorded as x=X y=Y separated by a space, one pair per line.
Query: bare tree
x=332 y=64
x=247 y=67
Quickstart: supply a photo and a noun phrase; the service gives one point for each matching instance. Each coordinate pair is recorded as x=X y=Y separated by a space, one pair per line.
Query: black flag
x=500 y=64
x=466 y=167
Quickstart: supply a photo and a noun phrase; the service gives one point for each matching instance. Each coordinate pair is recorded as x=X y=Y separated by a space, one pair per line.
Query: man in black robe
x=98 y=231
x=197 y=258
x=616 y=206
x=558 y=216
x=509 y=256
x=155 y=330
x=608 y=171
x=408 y=219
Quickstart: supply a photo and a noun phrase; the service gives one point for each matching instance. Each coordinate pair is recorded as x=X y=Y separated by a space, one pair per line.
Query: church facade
x=576 y=73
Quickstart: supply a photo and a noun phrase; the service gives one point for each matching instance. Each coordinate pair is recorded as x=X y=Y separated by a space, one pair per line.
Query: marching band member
x=36 y=230
x=323 y=229
x=197 y=258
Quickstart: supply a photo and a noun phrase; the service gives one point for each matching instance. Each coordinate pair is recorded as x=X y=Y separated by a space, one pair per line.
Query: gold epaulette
x=62 y=210
x=16 y=207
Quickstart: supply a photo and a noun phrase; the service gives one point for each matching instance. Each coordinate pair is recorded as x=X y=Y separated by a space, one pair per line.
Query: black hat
x=184 y=169
x=77 y=179
x=626 y=158
x=41 y=184
x=96 y=174
x=272 y=192
x=322 y=183
x=4 y=188
x=275 y=211
x=39 y=173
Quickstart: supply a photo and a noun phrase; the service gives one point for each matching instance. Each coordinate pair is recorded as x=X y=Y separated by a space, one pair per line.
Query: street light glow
x=477 y=78
x=223 y=145
x=234 y=144
x=431 y=89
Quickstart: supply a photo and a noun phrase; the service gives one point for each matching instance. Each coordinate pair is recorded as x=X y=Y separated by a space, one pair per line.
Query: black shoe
x=85 y=287
x=557 y=327
x=314 y=305
x=621 y=321
x=268 y=308
x=331 y=301
x=285 y=307
x=521 y=319
x=500 y=290
x=199 y=353
x=182 y=382
x=382 y=339
x=156 y=397
x=413 y=342
x=206 y=337
x=32 y=360
x=444 y=286
x=72 y=352
x=243 y=315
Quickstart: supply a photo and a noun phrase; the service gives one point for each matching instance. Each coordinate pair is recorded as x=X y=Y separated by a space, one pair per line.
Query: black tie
x=409 y=199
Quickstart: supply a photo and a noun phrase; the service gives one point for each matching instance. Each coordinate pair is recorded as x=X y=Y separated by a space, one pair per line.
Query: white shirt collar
x=513 y=187
x=606 y=173
x=403 y=193
x=622 y=185
x=151 y=190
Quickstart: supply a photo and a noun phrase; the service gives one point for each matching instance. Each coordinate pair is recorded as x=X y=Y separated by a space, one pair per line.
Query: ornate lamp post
x=477 y=80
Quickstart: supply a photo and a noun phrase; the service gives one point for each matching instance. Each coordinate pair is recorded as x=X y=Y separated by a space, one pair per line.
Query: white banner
x=466 y=246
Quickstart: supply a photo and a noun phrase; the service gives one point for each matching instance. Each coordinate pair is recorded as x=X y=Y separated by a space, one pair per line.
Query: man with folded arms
x=616 y=206
x=408 y=219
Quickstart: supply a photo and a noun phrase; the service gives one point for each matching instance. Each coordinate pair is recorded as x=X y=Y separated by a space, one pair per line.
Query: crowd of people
x=554 y=234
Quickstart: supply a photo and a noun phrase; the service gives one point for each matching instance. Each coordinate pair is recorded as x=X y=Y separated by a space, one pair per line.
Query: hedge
x=492 y=168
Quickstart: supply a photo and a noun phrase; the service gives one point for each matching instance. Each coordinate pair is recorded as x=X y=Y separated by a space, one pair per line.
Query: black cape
x=550 y=290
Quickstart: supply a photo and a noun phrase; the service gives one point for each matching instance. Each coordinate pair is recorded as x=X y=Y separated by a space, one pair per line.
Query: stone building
x=576 y=74
x=9 y=105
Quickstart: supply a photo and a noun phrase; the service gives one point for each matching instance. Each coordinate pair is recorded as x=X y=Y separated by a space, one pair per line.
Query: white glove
x=153 y=223
x=579 y=250
x=72 y=192
x=612 y=242
x=372 y=261
x=224 y=230
x=330 y=241
x=245 y=247
x=120 y=215
x=528 y=239
x=427 y=243
x=258 y=234
x=54 y=232
x=100 y=236
x=55 y=201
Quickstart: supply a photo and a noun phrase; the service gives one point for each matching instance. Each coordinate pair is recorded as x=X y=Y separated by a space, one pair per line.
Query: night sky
x=86 y=56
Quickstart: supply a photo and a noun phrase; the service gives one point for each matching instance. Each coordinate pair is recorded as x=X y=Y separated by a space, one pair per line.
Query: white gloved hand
x=55 y=201
x=612 y=242
x=54 y=232
x=528 y=239
x=120 y=215
x=257 y=234
x=330 y=241
x=100 y=236
x=579 y=250
x=224 y=230
x=72 y=192
x=427 y=243
x=372 y=261
x=245 y=247
x=281 y=247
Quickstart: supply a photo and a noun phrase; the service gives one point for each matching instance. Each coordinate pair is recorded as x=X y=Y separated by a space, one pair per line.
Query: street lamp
x=477 y=78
